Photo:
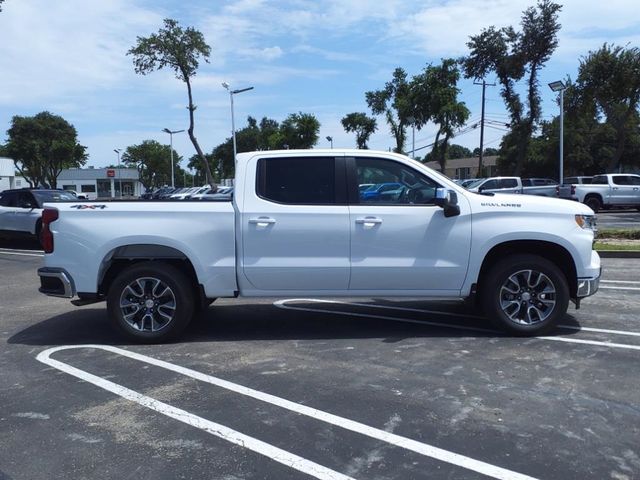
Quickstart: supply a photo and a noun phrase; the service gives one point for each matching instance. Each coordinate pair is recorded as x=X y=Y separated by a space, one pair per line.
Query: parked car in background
x=79 y=196
x=221 y=194
x=542 y=187
x=607 y=191
x=21 y=210
x=567 y=189
x=375 y=191
x=163 y=192
x=467 y=181
x=197 y=191
x=579 y=180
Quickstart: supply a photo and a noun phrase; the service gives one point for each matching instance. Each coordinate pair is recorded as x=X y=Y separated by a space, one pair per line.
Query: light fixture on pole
x=233 y=124
x=171 y=132
x=559 y=86
x=330 y=140
x=117 y=150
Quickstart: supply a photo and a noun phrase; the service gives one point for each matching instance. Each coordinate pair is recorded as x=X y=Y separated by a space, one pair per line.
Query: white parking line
x=620 y=281
x=604 y=287
x=279 y=455
x=283 y=304
x=5 y=252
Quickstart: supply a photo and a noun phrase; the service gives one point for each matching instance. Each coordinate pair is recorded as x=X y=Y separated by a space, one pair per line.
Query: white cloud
x=66 y=48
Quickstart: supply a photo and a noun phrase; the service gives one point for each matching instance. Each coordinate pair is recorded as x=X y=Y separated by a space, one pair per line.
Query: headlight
x=588 y=222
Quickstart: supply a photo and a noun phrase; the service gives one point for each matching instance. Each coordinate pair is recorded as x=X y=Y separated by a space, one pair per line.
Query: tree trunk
x=614 y=163
x=194 y=141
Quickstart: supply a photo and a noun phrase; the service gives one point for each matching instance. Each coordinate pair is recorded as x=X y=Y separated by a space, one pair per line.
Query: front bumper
x=588 y=286
x=56 y=282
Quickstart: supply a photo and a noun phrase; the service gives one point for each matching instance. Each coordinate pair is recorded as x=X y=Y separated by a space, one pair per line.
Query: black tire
x=525 y=294
x=151 y=302
x=594 y=203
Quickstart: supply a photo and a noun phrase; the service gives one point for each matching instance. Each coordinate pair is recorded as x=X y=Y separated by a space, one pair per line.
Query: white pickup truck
x=606 y=191
x=543 y=187
x=298 y=226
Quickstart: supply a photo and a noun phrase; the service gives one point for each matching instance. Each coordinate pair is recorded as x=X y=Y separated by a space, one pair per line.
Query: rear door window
x=298 y=180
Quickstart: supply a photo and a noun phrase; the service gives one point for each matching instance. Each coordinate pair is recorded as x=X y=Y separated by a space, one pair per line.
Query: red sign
x=111 y=173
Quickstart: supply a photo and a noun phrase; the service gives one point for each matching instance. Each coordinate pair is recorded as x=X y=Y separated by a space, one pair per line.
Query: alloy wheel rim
x=528 y=297
x=147 y=304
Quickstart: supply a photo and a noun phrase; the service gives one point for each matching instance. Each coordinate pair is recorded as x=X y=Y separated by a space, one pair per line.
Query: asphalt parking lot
x=277 y=389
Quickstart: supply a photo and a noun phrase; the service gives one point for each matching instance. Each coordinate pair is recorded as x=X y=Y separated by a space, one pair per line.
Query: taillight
x=49 y=215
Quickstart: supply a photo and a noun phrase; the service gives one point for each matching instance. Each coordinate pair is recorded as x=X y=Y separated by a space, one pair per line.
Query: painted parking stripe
x=284 y=305
x=4 y=252
x=279 y=455
x=604 y=287
x=621 y=281
x=345 y=423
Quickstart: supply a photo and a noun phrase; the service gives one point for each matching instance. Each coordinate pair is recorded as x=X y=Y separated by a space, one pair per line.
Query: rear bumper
x=56 y=282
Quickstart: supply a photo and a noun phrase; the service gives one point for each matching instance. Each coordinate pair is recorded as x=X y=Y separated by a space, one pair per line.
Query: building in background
x=102 y=183
x=463 y=168
x=8 y=178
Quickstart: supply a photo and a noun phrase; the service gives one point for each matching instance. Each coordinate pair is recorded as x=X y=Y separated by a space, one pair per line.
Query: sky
x=320 y=57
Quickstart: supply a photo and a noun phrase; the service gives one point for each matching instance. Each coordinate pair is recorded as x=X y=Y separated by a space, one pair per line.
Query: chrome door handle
x=369 y=221
x=262 y=221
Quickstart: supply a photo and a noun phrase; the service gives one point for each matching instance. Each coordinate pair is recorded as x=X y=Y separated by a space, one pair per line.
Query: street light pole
x=117 y=150
x=559 y=86
x=233 y=124
x=330 y=140
x=171 y=132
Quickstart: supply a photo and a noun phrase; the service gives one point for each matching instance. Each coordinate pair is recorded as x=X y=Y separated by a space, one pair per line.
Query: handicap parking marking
x=270 y=451
x=284 y=304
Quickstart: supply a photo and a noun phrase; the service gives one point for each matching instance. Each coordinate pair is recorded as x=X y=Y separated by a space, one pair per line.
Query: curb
x=618 y=253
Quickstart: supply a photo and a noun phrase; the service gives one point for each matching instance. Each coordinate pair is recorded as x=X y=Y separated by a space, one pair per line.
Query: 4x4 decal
x=89 y=207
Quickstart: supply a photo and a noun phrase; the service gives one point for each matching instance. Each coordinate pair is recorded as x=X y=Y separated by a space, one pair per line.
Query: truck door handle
x=368 y=221
x=262 y=221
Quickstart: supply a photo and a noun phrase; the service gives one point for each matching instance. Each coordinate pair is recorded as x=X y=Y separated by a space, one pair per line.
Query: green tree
x=458 y=151
x=180 y=50
x=298 y=130
x=362 y=125
x=394 y=102
x=513 y=56
x=610 y=78
x=153 y=162
x=42 y=146
x=488 y=152
x=434 y=96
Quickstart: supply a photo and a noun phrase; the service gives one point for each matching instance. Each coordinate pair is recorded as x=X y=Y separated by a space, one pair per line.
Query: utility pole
x=484 y=87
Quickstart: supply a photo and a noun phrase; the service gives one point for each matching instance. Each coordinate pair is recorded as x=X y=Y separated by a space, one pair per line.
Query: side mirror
x=480 y=189
x=448 y=201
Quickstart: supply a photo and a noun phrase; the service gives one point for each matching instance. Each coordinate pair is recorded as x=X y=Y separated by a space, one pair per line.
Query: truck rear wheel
x=593 y=203
x=150 y=302
x=525 y=294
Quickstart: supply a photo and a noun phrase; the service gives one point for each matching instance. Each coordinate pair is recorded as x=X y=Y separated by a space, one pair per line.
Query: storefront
x=102 y=182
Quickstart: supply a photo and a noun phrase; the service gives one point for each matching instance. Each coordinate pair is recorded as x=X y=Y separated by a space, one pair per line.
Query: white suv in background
x=21 y=210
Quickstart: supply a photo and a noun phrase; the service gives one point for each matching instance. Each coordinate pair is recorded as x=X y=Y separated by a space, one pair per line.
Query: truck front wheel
x=525 y=294
x=150 y=302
